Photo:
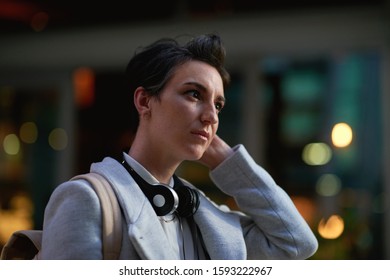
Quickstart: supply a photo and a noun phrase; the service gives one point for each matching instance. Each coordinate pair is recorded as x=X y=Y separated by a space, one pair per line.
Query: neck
x=157 y=162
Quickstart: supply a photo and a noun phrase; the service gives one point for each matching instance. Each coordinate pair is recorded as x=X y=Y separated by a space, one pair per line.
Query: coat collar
x=144 y=228
x=146 y=232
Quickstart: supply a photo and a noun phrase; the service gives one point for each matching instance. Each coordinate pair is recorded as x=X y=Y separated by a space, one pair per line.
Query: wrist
x=220 y=155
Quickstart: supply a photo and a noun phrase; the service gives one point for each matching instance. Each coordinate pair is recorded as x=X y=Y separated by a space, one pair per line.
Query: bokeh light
x=58 y=139
x=331 y=228
x=316 y=154
x=84 y=86
x=11 y=144
x=342 y=135
x=28 y=132
x=328 y=185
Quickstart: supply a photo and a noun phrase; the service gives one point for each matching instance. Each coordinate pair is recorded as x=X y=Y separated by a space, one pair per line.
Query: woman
x=178 y=92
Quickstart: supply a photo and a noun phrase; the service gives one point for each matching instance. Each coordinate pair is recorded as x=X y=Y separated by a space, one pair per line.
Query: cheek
x=215 y=128
x=164 y=114
x=171 y=122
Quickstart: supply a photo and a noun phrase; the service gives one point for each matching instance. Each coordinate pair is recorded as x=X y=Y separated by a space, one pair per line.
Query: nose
x=209 y=114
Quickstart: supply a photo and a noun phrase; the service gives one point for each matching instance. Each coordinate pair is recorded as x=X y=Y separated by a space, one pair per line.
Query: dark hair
x=155 y=64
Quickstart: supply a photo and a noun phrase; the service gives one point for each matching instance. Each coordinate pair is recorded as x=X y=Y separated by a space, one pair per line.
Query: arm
x=272 y=226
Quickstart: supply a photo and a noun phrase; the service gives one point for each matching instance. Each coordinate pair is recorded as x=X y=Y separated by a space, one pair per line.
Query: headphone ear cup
x=164 y=200
x=188 y=201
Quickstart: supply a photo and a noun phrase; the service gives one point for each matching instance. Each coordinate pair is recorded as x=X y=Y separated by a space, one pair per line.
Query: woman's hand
x=216 y=153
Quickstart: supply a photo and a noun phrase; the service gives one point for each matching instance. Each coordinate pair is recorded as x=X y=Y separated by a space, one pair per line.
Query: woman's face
x=184 y=118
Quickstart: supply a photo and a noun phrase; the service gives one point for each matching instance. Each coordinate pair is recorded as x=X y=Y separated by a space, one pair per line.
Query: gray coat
x=271 y=227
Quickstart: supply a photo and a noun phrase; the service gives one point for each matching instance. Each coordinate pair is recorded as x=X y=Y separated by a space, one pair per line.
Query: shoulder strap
x=111 y=214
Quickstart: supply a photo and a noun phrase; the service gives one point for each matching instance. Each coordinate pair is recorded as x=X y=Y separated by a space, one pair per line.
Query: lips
x=202 y=134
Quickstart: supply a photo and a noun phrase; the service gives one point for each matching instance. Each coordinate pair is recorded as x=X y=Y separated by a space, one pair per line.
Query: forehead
x=198 y=72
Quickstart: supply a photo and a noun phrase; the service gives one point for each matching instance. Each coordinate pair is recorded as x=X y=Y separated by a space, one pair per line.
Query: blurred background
x=309 y=99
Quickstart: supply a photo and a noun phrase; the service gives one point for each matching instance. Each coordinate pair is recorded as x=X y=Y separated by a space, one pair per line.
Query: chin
x=194 y=157
x=195 y=154
x=193 y=151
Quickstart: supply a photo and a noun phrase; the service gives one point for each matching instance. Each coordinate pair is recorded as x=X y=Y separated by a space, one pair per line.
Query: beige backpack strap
x=111 y=214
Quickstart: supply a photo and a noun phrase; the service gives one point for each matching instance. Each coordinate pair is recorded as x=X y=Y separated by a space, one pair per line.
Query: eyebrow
x=220 y=98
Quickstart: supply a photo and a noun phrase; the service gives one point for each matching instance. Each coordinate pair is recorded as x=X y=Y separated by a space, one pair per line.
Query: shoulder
x=73 y=194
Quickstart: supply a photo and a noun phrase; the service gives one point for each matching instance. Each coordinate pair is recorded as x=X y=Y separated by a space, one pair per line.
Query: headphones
x=166 y=200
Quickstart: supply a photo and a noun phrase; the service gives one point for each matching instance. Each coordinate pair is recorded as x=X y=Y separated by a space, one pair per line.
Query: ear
x=141 y=101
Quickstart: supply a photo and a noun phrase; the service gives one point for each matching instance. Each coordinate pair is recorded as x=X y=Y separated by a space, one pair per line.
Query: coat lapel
x=144 y=228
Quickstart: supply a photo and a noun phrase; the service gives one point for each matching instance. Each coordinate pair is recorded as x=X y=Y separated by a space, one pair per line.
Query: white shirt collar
x=142 y=171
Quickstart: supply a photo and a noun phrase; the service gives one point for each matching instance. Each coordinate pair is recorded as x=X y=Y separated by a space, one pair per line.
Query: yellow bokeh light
x=18 y=216
x=331 y=228
x=58 y=139
x=316 y=154
x=342 y=135
x=28 y=132
x=11 y=144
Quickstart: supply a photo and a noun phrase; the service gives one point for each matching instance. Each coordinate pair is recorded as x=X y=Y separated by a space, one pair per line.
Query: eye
x=219 y=106
x=194 y=93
